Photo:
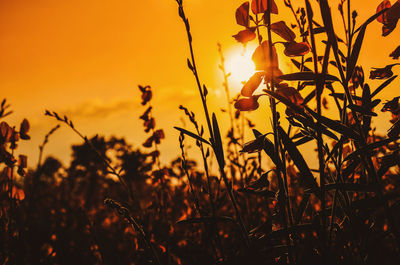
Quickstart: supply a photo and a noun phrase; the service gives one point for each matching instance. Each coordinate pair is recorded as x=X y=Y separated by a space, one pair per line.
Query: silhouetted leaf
x=335 y=125
x=195 y=136
x=383 y=85
x=307 y=76
x=218 y=148
x=299 y=161
x=370 y=147
x=395 y=54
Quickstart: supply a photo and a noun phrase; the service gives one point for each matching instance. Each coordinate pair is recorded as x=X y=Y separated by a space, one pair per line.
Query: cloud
x=97 y=108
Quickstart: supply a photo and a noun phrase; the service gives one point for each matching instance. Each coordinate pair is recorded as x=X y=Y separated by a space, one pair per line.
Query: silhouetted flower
x=381 y=73
x=247 y=104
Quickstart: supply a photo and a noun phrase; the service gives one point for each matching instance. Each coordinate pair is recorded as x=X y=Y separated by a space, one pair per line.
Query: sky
x=86 y=58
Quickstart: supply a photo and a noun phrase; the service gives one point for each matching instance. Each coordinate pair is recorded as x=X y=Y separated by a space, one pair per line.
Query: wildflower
x=245 y=36
x=358 y=77
x=24 y=129
x=283 y=31
x=392 y=105
x=260 y=6
x=291 y=94
x=389 y=18
x=293 y=48
x=247 y=104
x=381 y=73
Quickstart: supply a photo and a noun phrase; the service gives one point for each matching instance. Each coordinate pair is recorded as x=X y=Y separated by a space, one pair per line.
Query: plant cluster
x=265 y=203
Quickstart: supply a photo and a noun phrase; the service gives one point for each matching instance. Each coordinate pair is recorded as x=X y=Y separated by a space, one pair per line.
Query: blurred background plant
x=261 y=202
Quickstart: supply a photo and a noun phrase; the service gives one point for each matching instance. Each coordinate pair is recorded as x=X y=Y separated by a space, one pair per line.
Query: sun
x=239 y=64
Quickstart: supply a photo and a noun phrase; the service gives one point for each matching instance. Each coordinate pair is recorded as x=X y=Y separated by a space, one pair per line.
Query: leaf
x=262 y=59
x=369 y=147
x=394 y=131
x=355 y=52
x=362 y=110
x=242 y=14
x=283 y=31
x=298 y=65
x=251 y=85
x=195 y=136
x=382 y=86
x=244 y=36
x=254 y=146
x=351 y=168
x=335 y=125
x=293 y=48
x=218 y=148
x=269 y=149
x=396 y=53
x=303 y=140
x=284 y=100
x=314 y=31
x=307 y=76
x=260 y=6
x=299 y=161
x=291 y=94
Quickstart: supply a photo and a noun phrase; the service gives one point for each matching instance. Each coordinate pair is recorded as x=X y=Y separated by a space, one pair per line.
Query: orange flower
x=293 y=48
x=244 y=36
x=247 y=104
x=242 y=15
x=260 y=6
x=282 y=30
x=389 y=18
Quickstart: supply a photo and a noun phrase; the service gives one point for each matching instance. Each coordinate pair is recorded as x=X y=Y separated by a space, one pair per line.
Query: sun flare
x=239 y=65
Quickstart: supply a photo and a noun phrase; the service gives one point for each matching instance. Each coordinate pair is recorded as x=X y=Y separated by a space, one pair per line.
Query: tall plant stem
x=275 y=121
x=202 y=92
x=319 y=88
x=367 y=161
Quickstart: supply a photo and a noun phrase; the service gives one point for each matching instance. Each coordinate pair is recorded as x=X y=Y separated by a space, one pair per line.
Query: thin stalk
x=124 y=212
x=319 y=87
x=276 y=137
x=210 y=128
x=366 y=159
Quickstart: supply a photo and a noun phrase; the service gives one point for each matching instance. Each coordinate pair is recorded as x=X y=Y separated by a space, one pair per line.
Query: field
x=320 y=186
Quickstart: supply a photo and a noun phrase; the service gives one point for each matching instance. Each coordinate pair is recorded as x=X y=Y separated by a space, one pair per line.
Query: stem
x=276 y=137
x=210 y=128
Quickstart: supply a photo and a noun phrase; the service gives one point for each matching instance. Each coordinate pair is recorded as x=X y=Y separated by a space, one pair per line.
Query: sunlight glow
x=239 y=64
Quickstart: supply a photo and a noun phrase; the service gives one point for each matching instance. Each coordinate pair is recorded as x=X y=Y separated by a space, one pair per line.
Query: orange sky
x=86 y=58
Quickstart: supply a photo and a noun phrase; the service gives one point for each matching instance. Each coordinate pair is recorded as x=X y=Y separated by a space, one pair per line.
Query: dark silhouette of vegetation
x=265 y=204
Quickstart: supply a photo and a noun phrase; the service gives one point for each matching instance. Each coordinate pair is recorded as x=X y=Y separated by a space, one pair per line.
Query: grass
x=265 y=204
